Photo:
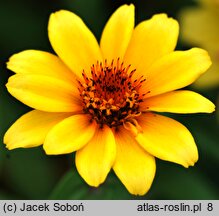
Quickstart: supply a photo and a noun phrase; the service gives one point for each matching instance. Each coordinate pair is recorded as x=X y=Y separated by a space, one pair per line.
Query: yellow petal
x=95 y=160
x=133 y=166
x=44 y=93
x=73 y=41
x=178 y=102
x=117 y=33
x=176 y=70
x=69 y=135
x=39 y=62
x=31 y=129
x=167 y=139
x=151 y=40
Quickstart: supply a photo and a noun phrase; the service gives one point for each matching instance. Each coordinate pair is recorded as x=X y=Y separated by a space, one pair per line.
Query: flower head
x=99 y=100
x=200 y=27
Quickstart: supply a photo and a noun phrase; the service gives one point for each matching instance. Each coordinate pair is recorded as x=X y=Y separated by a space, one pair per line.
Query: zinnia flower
x=200 y=27
x=98 y=100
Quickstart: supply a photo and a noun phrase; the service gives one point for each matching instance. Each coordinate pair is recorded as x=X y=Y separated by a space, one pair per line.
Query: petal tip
x=6 y=139
x=128 y=6
x=131 y=6
x=191 y=164
x=207 y=106
x=192 y=161
x=126 y=9
x=58 y=12
x=164 y=16
x=8 y=63
x=47 y=150
x=204 y=57
x=10 y=145
x=56 y=15
x=211 y=107
x=160 y=15
x=94 y=184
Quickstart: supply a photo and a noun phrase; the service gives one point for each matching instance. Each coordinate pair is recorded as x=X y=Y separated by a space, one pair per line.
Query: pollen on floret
x=110 y=95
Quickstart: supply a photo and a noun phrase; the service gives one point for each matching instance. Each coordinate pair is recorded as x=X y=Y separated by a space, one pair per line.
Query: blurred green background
x=30 y=174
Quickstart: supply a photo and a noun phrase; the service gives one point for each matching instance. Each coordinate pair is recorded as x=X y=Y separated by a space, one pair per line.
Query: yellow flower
x=200 y=27
x=98 y=101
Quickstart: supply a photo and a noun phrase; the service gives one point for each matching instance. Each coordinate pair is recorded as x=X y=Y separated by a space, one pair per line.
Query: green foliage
x=72 y=186
x=30 y=174
x=176 y=182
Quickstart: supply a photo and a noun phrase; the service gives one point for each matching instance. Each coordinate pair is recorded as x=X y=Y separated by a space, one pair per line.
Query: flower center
x=110 y=96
